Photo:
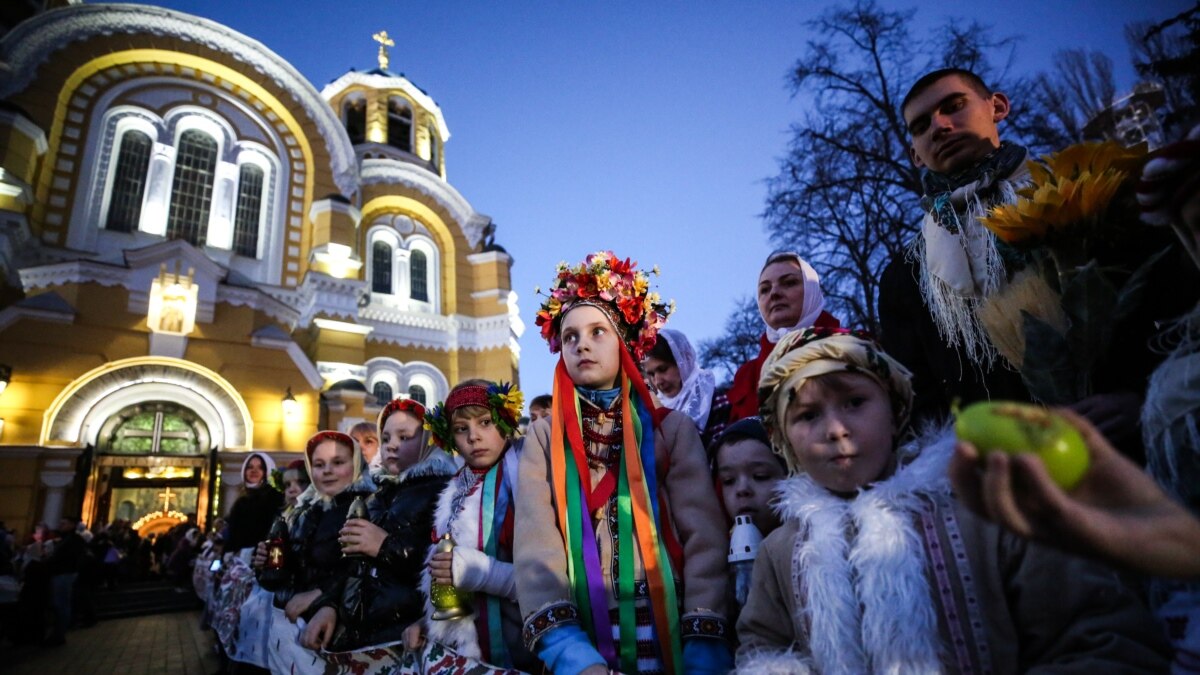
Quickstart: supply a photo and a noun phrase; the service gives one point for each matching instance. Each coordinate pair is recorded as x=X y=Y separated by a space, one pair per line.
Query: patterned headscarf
x=356 y=457
x=813 y=352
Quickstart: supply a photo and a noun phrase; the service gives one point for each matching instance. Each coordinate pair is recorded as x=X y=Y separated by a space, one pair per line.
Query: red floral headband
x=408 y=405
x=322 y=436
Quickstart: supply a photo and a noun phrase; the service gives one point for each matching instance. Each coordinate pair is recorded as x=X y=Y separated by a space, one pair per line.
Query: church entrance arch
x=152 y=462
x=152 y=428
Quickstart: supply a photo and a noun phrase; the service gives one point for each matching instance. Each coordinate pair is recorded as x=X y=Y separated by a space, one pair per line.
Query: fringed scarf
x=638 y=522
x=961 y=262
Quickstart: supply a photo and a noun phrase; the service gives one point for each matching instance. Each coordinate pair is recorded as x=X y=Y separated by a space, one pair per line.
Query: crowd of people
x=818 y=517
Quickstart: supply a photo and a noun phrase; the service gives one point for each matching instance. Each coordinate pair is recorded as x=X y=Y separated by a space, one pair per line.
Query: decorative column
x=55 y=483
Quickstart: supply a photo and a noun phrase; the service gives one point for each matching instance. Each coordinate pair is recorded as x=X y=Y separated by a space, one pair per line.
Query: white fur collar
x=858 y=567
x=457 y=633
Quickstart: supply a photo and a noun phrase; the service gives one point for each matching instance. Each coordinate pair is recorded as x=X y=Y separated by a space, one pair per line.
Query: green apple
x=1016 y=428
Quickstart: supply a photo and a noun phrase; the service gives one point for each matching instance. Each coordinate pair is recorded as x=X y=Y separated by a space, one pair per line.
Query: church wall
x=18 y=493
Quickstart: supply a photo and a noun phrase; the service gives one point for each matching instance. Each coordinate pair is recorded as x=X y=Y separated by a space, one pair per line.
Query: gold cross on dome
x=384 y=42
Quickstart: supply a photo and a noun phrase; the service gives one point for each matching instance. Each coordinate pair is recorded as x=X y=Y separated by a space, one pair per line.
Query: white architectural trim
x=33 y=41
x=12 y=314
x=383 y=82
x=390 y=172
x=26 y=128
x=343 y=327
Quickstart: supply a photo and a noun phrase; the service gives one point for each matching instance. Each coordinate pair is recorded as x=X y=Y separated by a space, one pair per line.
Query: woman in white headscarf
x=789 y=298
x=683 y=385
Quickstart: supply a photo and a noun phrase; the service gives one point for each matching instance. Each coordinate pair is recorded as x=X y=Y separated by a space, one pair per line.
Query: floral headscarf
x=813 y=352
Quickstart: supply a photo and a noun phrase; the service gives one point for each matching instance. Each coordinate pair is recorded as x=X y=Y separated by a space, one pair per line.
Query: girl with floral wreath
x=617 y=525
x=479 y=421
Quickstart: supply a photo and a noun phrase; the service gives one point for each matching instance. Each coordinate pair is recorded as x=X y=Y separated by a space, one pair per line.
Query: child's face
x=401 y=442
x=591 y=348
x=292 y=486
x=748 y=472
x=477 y=438
x=537 y=412
x=841 y=429
x=332 y=467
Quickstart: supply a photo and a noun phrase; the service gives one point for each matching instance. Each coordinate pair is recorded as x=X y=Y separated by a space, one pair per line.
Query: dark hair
x=747 y=428
x=781 y=256
x=543 y=401
x=662 y=351
x=976 y=82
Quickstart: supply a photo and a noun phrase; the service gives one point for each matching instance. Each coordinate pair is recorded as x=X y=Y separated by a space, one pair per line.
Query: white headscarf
x=814 y=297
x=268 y=467
x=695 y=396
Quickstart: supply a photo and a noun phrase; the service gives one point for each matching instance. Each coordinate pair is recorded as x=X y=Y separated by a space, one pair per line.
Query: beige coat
x=1038 y=610
x=687 y=488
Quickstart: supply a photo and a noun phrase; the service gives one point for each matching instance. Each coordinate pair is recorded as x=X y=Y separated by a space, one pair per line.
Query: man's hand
x=299 y=604
x=319 y=631
x=362 y=536
x=1116 y=511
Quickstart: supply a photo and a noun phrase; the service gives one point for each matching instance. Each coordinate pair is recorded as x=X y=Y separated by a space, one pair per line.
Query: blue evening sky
x=644 y=127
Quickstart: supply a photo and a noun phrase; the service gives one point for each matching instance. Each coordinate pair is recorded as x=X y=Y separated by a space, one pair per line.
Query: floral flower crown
x=503 y=400
x=605 y=281
x=407 y=405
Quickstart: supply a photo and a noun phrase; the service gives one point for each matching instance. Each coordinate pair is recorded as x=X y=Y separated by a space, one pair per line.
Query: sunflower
x=1072 y=188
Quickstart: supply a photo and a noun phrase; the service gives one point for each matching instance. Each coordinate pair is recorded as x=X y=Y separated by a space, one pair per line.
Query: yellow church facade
x=202 y=255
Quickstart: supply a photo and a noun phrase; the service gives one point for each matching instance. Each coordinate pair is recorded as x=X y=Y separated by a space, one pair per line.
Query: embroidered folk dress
x=900 y=578
x=460 y=511
x=686 y=492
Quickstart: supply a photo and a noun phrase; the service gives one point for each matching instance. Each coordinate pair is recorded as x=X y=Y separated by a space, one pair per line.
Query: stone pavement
x=160 y=643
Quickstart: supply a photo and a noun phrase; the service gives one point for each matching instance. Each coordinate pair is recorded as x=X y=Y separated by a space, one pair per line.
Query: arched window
x=383 y=392
x=129 y=182
x=434 y=148
x=249 y=207
x=355 y=114
x=191 y=192
x=381 y=267
x=152 y=429
x=417 y=393
x=418 y=271
x=399 y=131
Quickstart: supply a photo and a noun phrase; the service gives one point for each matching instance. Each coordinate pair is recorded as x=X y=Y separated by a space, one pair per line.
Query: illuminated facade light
x=173 y=300
x=290 y=405
x=5 y=376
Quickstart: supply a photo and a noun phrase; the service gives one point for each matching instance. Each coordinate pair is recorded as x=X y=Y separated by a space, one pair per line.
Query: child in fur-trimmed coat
x=876 y=568
x=479 y=421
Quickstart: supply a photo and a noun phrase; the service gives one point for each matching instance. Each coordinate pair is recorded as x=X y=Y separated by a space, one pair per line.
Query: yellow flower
x=1072 y=189
x=640 y=283
x=603 y=280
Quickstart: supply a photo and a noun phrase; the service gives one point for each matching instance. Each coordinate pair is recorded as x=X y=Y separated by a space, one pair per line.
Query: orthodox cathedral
x=203 y=255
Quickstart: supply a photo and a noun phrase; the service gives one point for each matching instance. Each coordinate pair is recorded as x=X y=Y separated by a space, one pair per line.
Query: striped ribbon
x=637 y=523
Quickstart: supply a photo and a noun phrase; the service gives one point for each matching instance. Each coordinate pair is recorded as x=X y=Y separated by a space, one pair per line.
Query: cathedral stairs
x=143 y=598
